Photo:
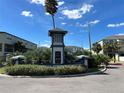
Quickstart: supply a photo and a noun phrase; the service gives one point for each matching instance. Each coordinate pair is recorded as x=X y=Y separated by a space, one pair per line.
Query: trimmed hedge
x=37 y=70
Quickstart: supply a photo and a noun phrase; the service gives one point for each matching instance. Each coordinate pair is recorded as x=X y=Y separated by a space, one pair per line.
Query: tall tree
x=51 y=8
x=38 y=56
x=96 y=47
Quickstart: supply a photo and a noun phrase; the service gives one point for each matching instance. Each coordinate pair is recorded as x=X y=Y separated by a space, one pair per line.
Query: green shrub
x=29 y=70
x=37 y=55
x=2 y=70
x=98 y=59
x=102 y=58
x=1 y=62
x=36 y=70
x=70 y=69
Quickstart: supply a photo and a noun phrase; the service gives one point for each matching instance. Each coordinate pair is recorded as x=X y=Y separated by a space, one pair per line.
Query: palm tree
x=96 y=47
x=111 y=48
x=51 y=8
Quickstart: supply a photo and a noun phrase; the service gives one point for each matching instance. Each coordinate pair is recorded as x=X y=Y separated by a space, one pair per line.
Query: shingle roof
x=2 y=32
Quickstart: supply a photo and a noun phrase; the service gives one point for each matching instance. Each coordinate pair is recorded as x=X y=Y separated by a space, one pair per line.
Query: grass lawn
x=2 y=71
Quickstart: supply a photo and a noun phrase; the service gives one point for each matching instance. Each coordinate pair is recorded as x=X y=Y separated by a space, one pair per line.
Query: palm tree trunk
x=53 y=21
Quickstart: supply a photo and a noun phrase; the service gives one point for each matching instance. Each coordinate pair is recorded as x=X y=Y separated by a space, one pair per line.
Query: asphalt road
x=110 y=82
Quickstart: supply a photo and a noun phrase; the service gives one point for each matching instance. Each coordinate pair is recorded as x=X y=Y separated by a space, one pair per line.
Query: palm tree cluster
x=111 y=47
x=96 y=47
x=51 y=8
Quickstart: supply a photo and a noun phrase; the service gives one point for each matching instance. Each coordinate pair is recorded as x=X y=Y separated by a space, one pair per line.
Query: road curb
x=4 y=75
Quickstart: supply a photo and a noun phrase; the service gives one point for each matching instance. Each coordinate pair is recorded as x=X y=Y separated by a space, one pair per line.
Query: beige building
x=120 y=39
x=7 y=42
x=74 y=48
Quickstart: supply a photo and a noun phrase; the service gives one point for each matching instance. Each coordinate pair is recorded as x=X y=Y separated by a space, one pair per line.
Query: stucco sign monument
x=57 y=36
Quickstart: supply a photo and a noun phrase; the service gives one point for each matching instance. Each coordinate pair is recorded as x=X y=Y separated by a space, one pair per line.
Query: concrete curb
x=55 y=76
x=4 y=75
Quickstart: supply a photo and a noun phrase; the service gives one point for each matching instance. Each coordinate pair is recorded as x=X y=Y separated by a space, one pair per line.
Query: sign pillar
x=57 y=46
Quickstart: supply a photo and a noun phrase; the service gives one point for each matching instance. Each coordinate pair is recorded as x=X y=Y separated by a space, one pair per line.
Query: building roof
x=16 y=37
x=115 y=37
x=74 y=47
x=57 y=30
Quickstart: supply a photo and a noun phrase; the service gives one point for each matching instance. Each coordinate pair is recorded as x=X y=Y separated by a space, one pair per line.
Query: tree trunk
x=53 y=21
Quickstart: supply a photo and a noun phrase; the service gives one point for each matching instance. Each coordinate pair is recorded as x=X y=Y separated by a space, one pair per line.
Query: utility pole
x=89 y=36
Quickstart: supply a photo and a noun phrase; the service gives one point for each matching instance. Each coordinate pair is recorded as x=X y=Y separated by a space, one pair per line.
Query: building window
x=9 y=38
x=8 y=48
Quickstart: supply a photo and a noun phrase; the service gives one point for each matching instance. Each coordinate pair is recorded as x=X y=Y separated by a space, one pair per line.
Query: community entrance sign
x=57 y=46
x=57 y=57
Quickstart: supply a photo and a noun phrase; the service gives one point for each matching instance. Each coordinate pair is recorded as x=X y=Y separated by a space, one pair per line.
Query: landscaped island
x=37 y=70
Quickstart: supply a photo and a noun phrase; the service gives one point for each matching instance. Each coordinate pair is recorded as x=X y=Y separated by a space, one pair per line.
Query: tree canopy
x=111 y=47
x=19 y=47
x=96 y=47
x=51 y=6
